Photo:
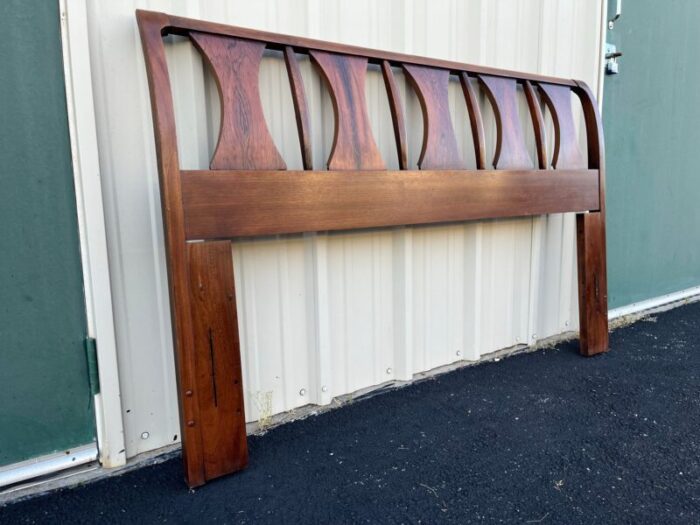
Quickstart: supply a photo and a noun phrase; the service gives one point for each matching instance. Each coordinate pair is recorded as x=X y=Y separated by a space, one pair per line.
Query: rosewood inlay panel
x=511 y=151
x=440 y=151
x=566 y=151
x=244 y=140
x=354 y=147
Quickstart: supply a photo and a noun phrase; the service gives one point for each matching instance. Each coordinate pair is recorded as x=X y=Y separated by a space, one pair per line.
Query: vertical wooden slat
x=301 y=109
x=244 y=139
x=440 y=151
x=475 y=121
x=533 y=105
x=354 y=147
x=219 y=381
x=397 y=116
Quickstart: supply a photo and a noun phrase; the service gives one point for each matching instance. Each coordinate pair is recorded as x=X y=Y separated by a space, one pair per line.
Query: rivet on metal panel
x=459 y=353
x=144 y=435
x=302 y=392
x=388 y=370
x=324 y=388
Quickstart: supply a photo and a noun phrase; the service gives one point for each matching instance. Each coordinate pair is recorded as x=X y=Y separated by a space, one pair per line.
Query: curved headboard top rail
x=248 y=191
x=177 y=25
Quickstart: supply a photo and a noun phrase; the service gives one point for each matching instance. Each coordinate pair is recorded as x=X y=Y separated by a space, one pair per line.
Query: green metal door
x=651 y=114
x=46 y=403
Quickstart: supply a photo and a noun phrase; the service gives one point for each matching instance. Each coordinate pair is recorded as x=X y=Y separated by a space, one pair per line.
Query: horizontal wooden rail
x=226 y=204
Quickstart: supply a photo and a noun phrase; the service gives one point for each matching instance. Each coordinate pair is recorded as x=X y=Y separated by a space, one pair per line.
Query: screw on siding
x=566 y=323
x=324 y=388
x=388 y=370
x=302 y=392
x=459 y=353
x=144 y=435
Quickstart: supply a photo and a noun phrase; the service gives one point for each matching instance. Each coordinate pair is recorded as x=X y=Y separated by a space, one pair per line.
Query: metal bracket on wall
x=611 y=55
x=93 y=371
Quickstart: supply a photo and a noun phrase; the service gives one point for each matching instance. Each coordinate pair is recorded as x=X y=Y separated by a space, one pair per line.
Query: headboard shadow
x=248 y=191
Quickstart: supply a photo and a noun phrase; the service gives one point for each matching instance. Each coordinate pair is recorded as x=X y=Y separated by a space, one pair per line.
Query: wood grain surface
x=475 y=120
x=533 y=105
x=397 y=116
x=440 y=151
x=511 y=151
x=217 y=358
x=239 y=203
x=244 y=140
x=566 y=151
x=354 y=147
x=301 y=108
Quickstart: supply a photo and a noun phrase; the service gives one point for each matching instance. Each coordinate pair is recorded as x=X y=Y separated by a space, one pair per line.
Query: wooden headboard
x=247 y=191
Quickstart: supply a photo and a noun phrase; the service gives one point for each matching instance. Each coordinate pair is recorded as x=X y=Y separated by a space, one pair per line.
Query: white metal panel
x=327 y=314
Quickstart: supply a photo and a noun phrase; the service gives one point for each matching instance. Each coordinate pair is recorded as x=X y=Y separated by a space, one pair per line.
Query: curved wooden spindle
x=439 y=150
x=244 y=139
x=567 y=153
x=511 y=151
x=354 y=147
x=537 y=124
x=475 y=120
x=301 y=109
x=397 y=117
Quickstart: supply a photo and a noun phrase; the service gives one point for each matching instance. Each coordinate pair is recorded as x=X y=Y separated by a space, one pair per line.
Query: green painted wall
x=651 y=117
x=46 y=405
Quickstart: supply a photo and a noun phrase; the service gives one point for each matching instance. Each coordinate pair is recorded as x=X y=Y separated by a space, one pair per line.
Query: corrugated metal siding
x=332 y=313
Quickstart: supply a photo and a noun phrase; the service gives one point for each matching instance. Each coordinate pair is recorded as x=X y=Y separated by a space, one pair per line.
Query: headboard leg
x=218 y=381
x=592 y=283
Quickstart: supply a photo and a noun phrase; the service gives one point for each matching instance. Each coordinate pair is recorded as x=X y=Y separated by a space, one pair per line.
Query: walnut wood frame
x=245 y=193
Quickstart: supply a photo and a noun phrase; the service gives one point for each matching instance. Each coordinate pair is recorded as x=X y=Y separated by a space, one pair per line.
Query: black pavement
x=544 y=437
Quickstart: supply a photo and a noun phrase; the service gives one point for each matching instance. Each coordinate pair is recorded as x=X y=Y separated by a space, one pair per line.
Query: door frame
x=92 y=230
